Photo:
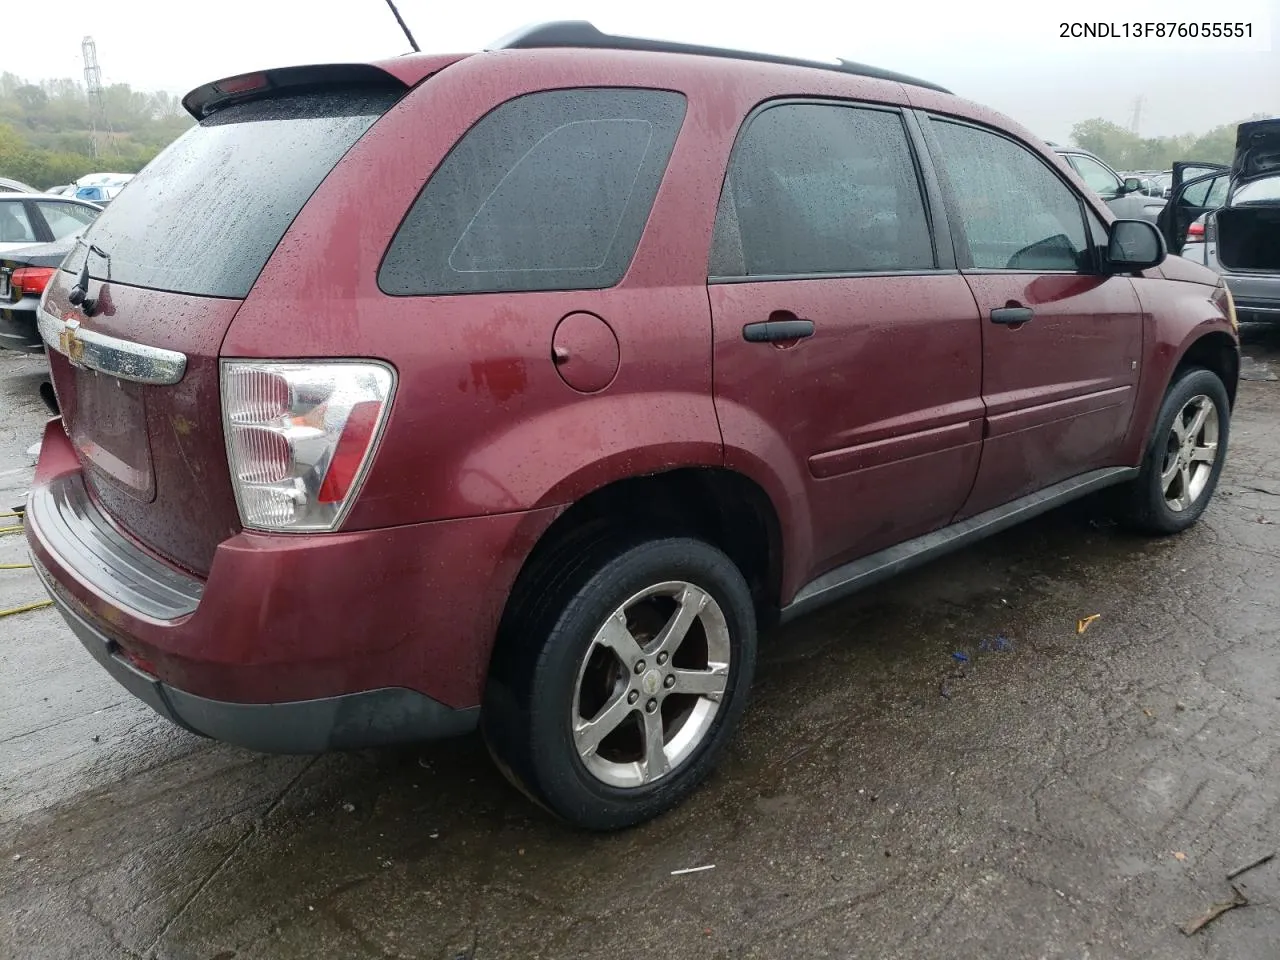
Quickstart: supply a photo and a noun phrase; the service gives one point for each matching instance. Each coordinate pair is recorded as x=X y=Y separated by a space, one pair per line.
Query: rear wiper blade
x=79 y=294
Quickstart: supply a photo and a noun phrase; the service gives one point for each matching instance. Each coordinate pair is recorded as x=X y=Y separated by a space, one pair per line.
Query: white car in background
x=100 y=188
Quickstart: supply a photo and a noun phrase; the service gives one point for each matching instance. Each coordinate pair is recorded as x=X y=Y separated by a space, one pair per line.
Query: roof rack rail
x=581 y=33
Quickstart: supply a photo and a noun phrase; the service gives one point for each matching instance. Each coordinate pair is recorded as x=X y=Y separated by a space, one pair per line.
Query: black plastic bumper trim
x=869 y=570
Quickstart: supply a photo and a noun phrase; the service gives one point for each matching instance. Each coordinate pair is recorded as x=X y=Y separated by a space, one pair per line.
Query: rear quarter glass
x=206 y=214
x=549 y=191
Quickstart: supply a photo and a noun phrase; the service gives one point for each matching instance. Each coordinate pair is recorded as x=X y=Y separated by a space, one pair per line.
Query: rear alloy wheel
x=622 y=682
x=1185 y=459
x=651 y=684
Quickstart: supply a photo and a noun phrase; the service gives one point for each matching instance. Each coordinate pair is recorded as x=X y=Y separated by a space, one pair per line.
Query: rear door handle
x=780 y=330
x=1012 y=316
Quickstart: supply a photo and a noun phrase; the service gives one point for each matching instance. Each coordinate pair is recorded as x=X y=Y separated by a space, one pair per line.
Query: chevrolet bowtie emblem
x=69 y=342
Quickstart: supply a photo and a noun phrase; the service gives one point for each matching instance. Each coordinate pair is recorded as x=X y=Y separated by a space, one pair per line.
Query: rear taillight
x=300 y=437
x=1195 y=231
x=31 y=280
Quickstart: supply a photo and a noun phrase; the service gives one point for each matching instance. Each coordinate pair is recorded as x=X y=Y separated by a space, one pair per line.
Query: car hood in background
x=1257 y=150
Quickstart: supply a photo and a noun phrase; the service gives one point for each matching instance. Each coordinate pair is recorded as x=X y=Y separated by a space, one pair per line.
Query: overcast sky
x=1005 y=54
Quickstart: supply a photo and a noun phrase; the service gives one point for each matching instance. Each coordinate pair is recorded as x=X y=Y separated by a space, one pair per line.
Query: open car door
x=1185 y=171
x=1190 y=200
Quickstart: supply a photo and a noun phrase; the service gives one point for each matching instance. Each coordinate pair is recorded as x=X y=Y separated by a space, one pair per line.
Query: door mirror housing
x=1134 y=245
x=1130 y=185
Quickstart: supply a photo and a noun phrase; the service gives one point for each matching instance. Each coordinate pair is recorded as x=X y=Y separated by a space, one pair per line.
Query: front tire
x=1188 y=448
x=618 y=685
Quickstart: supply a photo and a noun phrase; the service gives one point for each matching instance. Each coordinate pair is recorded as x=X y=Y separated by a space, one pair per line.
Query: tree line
x=1125 y=150
x=49 y=130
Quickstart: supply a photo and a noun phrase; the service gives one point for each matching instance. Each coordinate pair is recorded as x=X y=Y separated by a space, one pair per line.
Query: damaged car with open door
x=1241 y=232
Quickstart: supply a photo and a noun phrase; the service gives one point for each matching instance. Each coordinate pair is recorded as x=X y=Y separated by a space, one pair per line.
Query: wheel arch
x=1209 y=343
x=723 y=507
x=1215 y=351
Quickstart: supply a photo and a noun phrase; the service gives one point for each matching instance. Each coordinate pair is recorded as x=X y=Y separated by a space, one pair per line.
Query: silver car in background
x=1239 y=214
x=9 y=185
x=1124 y=196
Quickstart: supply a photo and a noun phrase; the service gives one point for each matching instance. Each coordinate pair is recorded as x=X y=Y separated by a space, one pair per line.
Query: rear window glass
x=549 y=191
x=1259 y=191
x=64 y=219
x=205 y=215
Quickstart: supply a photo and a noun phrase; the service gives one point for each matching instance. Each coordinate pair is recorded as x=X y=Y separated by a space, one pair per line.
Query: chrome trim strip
x=113 y=356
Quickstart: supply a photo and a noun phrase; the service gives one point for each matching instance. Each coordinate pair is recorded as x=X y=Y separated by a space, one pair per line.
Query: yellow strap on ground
x=17 y=513
x=4 y=530
x=25 y=607
x=15 y=566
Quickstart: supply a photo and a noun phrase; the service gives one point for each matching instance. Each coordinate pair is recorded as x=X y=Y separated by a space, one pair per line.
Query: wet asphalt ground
x=1057 y=795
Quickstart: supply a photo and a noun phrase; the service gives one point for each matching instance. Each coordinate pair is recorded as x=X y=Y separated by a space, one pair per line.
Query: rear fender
x=763 y=455
x=595 y=442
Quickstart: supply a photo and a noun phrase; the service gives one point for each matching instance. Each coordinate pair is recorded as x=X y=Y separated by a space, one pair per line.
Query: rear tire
x=621 y=677
x=1184 y=460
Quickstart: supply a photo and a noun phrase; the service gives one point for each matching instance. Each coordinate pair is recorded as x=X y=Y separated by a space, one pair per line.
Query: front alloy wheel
x=1184 y=458
x=1190 y=453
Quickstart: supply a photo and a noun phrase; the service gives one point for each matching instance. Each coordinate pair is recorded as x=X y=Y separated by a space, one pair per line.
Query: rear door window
x=1210 y=192
x=65 y=219
x=821 y=189
x=205 y=215
x=1218 y=192
x=15 y=225
x=549 y=191
x=1016 y=213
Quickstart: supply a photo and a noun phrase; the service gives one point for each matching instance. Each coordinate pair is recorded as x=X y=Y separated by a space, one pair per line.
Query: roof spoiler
x=211 y=97
x=582 y=33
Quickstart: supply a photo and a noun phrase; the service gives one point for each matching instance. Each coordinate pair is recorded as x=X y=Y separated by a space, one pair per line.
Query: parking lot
x=945 y=767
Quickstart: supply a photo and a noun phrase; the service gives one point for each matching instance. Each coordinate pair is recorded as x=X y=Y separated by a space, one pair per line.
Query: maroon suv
x=518 y=389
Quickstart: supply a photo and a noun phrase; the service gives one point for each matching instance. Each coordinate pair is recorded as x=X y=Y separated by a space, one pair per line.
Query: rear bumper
x=293 y=643
x=1254 y=293
x=350 y=721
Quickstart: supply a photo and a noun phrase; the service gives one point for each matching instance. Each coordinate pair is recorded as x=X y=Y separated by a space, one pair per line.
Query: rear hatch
x=1248 y=229
x=1257 y=150
x=170 y=262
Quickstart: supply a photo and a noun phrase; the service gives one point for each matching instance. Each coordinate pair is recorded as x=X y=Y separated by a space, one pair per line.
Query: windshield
x=1266 y=190
x=206 y=214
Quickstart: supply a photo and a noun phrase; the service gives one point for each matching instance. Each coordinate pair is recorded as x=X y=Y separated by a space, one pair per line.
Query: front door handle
x=782 y=326
x=1012 y=316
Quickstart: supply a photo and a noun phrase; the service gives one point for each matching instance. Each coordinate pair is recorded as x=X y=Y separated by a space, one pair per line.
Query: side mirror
x=1134 y=245
x=1131 y=185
